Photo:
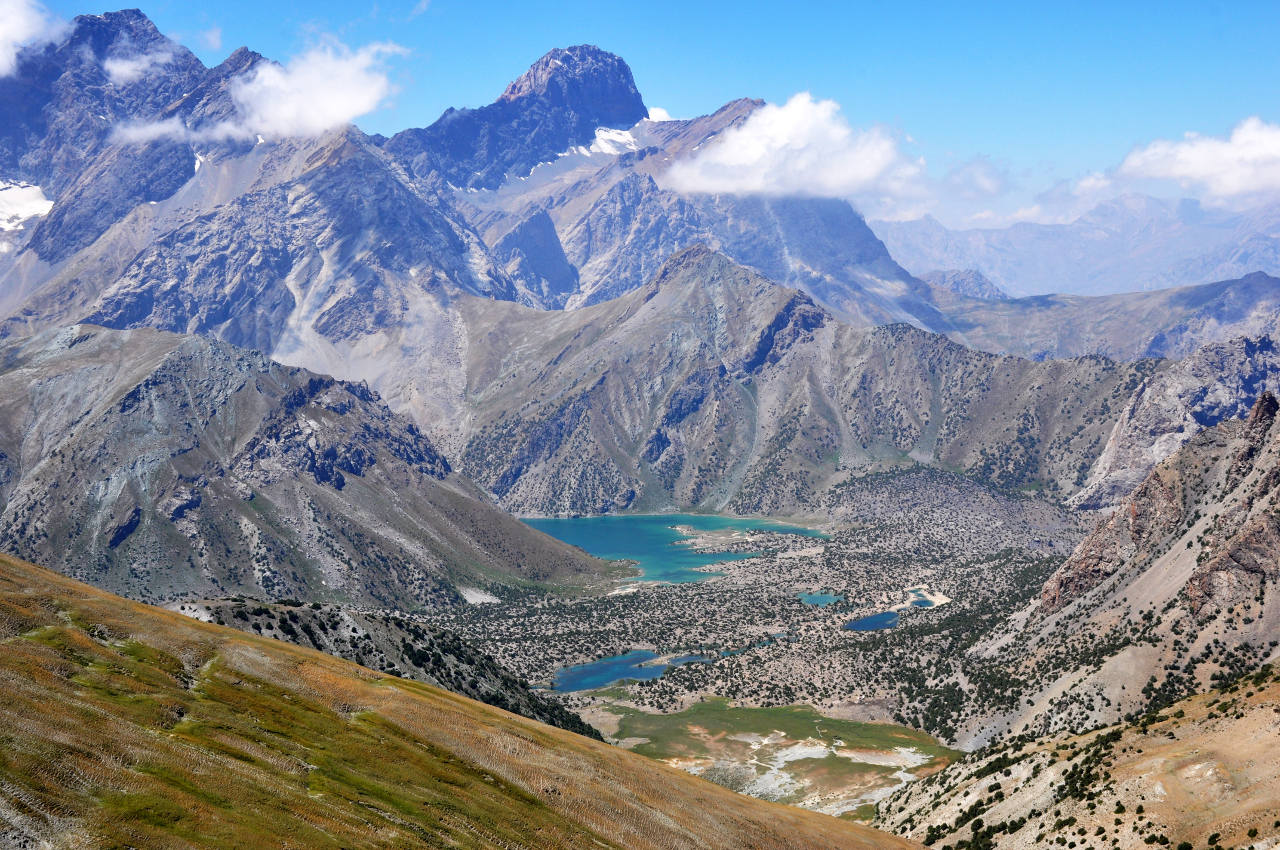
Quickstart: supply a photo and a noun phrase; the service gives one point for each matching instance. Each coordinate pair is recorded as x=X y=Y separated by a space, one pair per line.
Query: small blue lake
x=874 y=622
x=820 y=599
x=606 y=671
x=652 y=542
x=889 y=619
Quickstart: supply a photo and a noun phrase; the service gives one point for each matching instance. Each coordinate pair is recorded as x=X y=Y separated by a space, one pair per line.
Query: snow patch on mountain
x=19 y=202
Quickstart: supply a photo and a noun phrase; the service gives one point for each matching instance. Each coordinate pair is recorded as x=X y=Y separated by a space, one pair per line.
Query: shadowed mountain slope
x=165 y=467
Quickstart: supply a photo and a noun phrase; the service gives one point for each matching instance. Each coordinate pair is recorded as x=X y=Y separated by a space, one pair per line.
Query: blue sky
x=1032 y=94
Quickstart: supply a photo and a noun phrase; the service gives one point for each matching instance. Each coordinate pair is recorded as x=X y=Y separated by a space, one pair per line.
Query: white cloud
x=1092 y=184
x=419 y=9
x=1243 y=165
x=804 y=147
x=657 y=113
x=326 y=87
x=122 y=70
x=212 y=38
x=22 y=23
x=140 y=133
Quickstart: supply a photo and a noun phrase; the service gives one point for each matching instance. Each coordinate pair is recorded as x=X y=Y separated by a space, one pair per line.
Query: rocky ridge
x=200 y=469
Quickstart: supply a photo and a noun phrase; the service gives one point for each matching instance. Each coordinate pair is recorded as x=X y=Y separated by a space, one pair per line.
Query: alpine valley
x=482 y=485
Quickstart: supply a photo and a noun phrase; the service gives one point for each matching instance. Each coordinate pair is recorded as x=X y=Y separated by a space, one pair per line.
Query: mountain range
x=1132 y=243
x=303 y=386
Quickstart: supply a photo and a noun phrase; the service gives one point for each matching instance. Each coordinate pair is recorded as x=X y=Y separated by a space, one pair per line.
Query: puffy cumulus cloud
x=803 y=147
x=122 y=70
x=326 y=87
x=657 y=113
x=1242 y=166
x=23 y=22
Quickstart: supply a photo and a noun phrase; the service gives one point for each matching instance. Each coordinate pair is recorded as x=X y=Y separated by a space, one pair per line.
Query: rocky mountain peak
x=561 y=101
x=1263 y=412
x=586 y=77
x=101 y=31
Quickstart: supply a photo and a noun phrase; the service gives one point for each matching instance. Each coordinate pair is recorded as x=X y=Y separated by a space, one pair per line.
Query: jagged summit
x=583 y=73
x=1263 y=412
x=558 y=103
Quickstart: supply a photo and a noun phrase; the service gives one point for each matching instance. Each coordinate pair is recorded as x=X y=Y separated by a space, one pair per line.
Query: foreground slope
x=1204 y=771
x=168 y=467
x=404 y=645
x=128 y=725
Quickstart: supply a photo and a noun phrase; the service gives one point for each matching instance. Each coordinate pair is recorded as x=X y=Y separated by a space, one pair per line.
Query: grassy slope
x=715 y=731
x=125 y=725
x=669 y=734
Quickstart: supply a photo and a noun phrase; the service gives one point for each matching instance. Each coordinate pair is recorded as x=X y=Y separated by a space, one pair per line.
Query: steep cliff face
x=1230 y=475
x=165 y=467
x=1217 y=382
x=1240 y=557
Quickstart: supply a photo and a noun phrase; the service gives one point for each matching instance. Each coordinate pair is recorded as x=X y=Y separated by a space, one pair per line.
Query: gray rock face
x=617 y=225
x=1216 y=383
x=560 y=102
x=534 y=257
x=60 y=106
x=346 y=245
x=60 y=109
x=167 y=467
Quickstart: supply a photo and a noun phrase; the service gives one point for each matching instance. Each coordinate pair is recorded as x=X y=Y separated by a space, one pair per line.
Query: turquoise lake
x=650 y=540
x=820 y=599
x=606 y=671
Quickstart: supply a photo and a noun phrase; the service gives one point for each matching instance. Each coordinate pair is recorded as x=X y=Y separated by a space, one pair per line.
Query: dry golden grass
x=125 y=725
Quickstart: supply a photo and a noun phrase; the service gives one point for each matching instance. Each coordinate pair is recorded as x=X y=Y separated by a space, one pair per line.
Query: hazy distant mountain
x=342 y=253
x=1164 y=323
x=968 y=282
x=1130 y=244
x=356 y=257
